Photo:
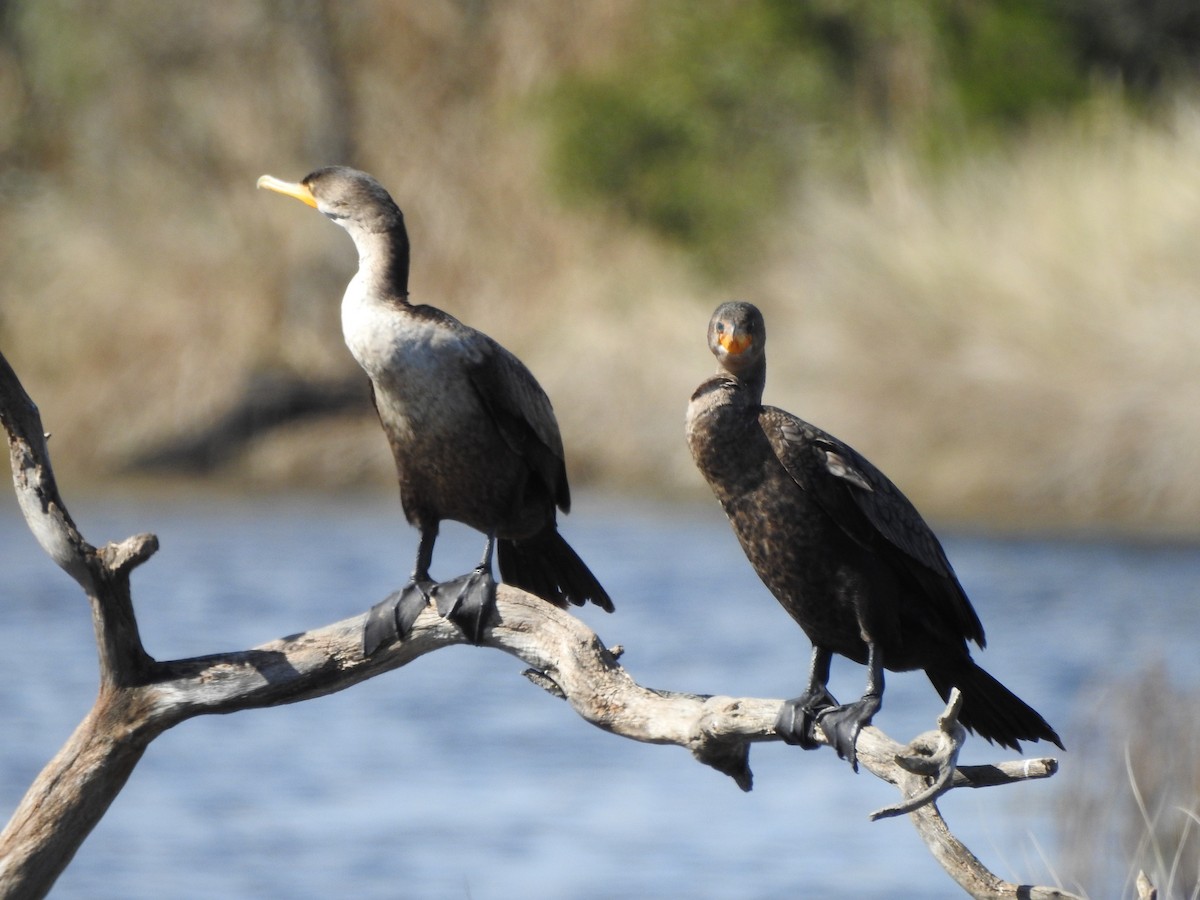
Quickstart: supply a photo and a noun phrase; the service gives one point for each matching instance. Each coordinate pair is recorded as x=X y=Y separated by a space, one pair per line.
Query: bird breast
x=726 y=443
x=415 y=365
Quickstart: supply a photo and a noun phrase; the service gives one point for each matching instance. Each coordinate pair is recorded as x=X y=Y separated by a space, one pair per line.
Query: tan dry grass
x=1015 y=341
x=1018 y=341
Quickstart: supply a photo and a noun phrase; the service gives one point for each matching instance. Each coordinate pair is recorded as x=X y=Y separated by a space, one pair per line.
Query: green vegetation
x=699 y=125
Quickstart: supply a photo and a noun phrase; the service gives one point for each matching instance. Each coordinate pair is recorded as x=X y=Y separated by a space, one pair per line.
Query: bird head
x=737 y=336
x=351 y=198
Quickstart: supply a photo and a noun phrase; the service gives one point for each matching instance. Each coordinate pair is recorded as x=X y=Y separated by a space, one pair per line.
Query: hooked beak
x=289 y=189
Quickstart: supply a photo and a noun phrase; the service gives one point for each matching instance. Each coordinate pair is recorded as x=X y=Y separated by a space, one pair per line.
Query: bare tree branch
x=140 y=697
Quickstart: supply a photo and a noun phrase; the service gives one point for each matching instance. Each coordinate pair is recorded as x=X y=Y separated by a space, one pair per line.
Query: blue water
x=454 y=777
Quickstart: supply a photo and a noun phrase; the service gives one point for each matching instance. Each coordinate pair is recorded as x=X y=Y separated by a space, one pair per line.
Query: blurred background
x=971 y=226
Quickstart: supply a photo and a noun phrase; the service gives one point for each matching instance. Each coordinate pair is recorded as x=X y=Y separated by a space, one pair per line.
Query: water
x=454 y=777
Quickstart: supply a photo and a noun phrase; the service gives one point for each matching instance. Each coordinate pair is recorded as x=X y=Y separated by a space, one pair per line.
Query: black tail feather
x=990 y=709
x=545 y=565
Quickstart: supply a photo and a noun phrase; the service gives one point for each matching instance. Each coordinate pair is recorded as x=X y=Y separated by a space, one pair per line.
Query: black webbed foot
x=468 y=601
x=391 y=619
x=795 y=720
x=842 y=724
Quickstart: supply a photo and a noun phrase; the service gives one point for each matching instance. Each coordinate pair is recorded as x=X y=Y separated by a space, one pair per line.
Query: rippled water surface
x=455 y=777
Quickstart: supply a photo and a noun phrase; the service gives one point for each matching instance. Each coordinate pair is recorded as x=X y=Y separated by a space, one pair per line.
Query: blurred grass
x=1011 y=335
x=1135 y=805
x=1028 y=325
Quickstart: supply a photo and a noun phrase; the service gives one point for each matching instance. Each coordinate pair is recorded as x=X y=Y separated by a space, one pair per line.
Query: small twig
x=933 y=755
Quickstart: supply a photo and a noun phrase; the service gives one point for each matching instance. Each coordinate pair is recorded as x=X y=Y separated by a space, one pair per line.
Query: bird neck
x=752 y=378
x=383 y=262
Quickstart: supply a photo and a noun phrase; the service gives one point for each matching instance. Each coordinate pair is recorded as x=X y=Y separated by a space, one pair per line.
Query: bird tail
x=546 y=565
x=990 y=709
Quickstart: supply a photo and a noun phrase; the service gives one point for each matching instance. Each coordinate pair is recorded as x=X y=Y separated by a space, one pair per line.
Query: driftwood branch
x=923 y=770
x=141 y=697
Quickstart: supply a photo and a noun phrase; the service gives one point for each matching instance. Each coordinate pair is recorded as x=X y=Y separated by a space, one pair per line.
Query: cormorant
x=843 y=551
x=472 y=432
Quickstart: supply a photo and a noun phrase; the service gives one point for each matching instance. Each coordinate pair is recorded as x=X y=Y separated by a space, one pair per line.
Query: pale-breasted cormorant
x=472 y=432
x=843 y=551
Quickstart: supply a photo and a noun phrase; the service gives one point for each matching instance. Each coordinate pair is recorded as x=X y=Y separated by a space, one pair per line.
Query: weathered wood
x=72 y=793
x=140 y=697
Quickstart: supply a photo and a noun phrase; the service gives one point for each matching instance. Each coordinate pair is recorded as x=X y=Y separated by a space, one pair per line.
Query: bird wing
x=869 y=507
x=522 y=413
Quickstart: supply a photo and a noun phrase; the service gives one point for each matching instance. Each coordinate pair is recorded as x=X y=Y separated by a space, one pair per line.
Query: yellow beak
x=734 y=343
x=289 y=189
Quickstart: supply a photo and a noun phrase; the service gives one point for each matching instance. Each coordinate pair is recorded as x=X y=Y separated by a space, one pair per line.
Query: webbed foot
x=468 y=601
x=796 y=718
x=842 y=724
x=391 y=619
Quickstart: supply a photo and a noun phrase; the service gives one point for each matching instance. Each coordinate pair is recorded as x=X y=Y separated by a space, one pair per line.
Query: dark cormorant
x=844 y=552
x=472 y=432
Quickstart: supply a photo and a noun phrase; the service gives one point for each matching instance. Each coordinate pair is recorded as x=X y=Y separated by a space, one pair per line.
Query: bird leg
x=842 y=724
x=796 y=718
x=469 y=601
x=391 y=619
